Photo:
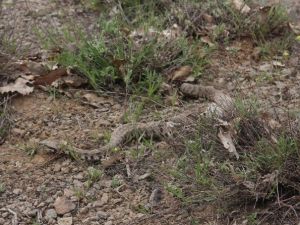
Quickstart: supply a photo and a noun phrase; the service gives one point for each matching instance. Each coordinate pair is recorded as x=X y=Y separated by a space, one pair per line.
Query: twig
x=127 y=167
x=117 y=190
x=14 y=220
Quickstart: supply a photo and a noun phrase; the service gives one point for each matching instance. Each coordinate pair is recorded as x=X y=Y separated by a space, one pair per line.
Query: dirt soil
x=33 y=185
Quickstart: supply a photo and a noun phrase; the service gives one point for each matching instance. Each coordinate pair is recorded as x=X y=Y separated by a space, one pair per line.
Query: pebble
x=108 y=223
x=79 y=176
x=102 y=201
x=101 y=215
x=32 y=213
x=77 y=183
x=62 y=205
x=49 y=200
x=51 y=214
x=65 y=169
x=68 y=193
x=17 y=191
x=84 y=210
x=57 y=167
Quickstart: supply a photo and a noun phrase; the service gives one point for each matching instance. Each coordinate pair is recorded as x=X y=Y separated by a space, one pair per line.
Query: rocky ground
x=50 y=188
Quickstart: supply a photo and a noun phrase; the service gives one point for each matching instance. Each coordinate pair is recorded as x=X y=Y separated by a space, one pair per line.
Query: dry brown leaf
x=20 y=85
x=295 y=28
x=182 y=73
x=95 y=100
x=241 y=6
x=51 y=77
x=277 y=64
x=73 y=80
x=207 y=40
x=173 y=32
x=35 y=68
x=208 y=18
x=106 y=163
x=226 y=139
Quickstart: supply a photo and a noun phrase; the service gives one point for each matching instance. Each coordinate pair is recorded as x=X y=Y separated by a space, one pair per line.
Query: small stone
x=31 y=213
x=17 y=191
x=62 y=205
x=79 y=176
x=18 y=132
x=155 y=197
x=78 y=183
x=66 y=163
x=103 y=201
x=84 y=210
x=65 y=170
x=65 y=221
x=108 y=223
x=57 y=167
x=2 y=221
x=51 y=214
x=265 y=67
x=68 y=193
x=106 y=183
x=101 y=215
x=49 y=200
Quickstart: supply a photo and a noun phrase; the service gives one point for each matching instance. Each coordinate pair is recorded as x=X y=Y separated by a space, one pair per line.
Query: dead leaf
x=74 y=80
x=207 y=40
x=20 y=85
x=277 y=64
x=62 y=205
x=256 y=54
x=95 y=100
x=50 y=77
x=295 y=28
x=208 y=18
x=35 y=68
x=108 y=162
x=174 y=32
x=182 y=73
x=241 y=6
x=155 y=197
x=226 y=139
x=52 y=145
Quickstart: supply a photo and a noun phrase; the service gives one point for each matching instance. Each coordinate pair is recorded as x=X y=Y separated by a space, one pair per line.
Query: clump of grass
x=270 y=157
x=273 y=20
x=31 y=148
x=266 y=171
x=115 y=57
x=116 y=182
x=79 y=193
x=175 y=191
x=4 y=119
x=94 y=175
x=2 y=188
x=69 y=150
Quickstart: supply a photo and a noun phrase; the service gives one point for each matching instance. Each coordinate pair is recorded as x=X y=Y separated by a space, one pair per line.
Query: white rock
x=108 y=223
x=51 y=214
x=17 y=191
x=102 y=215
x=65 y=221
